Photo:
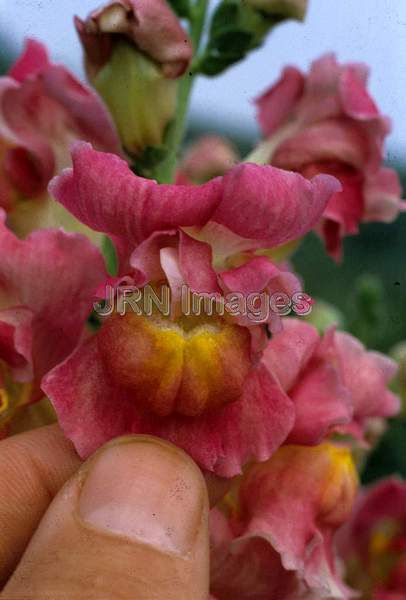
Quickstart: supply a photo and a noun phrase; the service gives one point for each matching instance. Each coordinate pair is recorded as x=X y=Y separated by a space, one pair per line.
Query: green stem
x=165 y=172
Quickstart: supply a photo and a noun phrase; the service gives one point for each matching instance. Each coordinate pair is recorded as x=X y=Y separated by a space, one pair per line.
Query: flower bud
x=134 y=52
x=141 y=100
x=210 y=157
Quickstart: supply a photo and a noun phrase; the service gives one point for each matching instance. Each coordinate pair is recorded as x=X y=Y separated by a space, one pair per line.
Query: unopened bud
x=141 y=100
x=134 y=52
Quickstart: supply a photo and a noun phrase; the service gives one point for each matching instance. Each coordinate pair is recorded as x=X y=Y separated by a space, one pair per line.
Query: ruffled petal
x=196 y=260
x=316 y=488
x=322 y=404
x=383 y=192
x=102 y=192
x=288 y=353
x=30 y=279
x=246 y=568
x=31 y=62
x=328 y=141
x=272 y=205
x=276 y=105
x=92 y=410
x=366 y=375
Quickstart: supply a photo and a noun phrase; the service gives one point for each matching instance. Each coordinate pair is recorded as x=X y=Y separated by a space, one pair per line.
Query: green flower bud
x=141 y=100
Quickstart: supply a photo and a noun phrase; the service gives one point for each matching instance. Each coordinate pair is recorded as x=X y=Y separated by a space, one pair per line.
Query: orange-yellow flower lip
x=190 y=366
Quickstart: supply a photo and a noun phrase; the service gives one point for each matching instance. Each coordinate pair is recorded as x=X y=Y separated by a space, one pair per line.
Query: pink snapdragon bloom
x=47 y=284
x=43 y=109
x=334 y=382
x=374 y=542
x=272 y=537
x=193 y=378
x=327 y=122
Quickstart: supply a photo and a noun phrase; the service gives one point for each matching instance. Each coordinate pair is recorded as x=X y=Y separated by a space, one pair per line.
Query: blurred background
x=370 y=284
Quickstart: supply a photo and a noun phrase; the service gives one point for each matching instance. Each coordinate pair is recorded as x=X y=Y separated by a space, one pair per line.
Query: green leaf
x=389 y=457
x=93 y=322
x=110 y=256
x=235 y=30
x=368 y=311
x=151 y=157
x=214 y=65
x=232 y=42
x=181 y=7
x=226 y=14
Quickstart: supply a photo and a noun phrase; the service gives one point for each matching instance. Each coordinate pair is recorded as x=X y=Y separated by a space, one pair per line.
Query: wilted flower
x=42 y=313
x=326 y=122
x=193 y=379
x=43 y=108
x=272 y=537
x=134 y=52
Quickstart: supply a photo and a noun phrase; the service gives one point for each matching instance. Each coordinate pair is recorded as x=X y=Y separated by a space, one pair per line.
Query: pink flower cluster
x=268 y=410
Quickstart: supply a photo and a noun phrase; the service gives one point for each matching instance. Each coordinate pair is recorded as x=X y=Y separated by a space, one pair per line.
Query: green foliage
x=181 y=7
x=151 y=157
x=378 y=252
x=367 y=310
x=389 y=457
x=110 y=256
x=235 y=30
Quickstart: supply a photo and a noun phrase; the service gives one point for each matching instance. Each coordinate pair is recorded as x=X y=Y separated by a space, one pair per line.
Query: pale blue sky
x=373 y=31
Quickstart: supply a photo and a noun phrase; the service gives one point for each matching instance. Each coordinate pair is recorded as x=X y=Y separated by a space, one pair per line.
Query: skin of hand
x=129 y=523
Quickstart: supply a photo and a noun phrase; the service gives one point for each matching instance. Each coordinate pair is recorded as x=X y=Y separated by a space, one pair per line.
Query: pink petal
x=366 y=375
x=347 y=207
x=209 y=157
x=382 y=502
x=322 y=403
x=32 y=61
x=252 y=277
x=196 y=259
x=288 y=501
x=145 y=260
x=383 y=192
x=247 y=568
x=92 y=410
x=276 y=105
x=321 y=99
x=90 y=116
x=103 y=193
x=328 y=141
x=16 y=342
x=357 y=102
x=272 y=205
x=43 y=107
x=30 y=278
x=288 y=353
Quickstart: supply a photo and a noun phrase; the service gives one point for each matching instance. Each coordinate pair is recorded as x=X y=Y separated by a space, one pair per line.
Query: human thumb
x=131 y=523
